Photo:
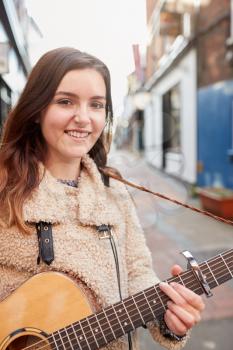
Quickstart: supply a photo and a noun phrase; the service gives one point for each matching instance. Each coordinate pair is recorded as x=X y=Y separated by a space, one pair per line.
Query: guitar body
x=50 y=303
x=45 y=303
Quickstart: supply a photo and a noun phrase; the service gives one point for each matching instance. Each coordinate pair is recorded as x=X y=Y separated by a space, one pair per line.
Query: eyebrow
x=71 y=94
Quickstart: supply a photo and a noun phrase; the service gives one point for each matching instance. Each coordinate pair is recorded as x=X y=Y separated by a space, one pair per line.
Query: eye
x=64 y=101
x=97 y=105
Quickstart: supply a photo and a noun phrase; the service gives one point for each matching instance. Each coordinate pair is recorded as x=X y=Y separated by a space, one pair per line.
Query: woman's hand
x=184 y=309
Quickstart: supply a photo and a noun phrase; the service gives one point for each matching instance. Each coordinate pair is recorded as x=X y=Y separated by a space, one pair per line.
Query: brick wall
x=150 y=5
x=213 y=26
x=150 y=66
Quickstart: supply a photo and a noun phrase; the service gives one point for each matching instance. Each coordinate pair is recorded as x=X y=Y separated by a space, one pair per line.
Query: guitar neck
x=114 y=321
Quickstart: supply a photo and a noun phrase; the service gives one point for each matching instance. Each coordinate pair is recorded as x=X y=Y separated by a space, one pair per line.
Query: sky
x=104 y=28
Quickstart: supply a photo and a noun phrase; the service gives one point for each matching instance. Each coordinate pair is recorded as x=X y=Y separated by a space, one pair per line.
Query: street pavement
x=171 y=229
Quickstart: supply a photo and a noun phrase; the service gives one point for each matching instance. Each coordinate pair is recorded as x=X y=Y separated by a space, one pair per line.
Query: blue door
x=215 y=135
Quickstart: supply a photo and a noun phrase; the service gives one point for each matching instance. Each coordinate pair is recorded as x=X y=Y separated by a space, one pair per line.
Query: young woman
x=60 y=212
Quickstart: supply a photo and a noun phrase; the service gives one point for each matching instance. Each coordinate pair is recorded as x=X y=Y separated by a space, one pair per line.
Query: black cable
x=114 y=250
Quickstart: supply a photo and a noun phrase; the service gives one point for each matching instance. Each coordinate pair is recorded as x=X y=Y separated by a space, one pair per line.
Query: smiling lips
x=77 y=134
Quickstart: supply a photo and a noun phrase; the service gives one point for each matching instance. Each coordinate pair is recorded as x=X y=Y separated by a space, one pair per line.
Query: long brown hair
x=22 y=144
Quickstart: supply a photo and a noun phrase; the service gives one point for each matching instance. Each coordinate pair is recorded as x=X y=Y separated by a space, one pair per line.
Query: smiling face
x=75 y=118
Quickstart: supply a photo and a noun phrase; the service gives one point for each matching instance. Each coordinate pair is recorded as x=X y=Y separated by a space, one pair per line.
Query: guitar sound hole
x=30 y=342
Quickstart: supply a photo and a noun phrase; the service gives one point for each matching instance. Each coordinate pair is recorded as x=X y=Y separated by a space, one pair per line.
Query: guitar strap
x=45 y=242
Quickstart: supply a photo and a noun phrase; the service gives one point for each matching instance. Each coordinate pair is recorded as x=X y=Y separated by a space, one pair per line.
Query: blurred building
x=184 y=125
x=15 y=27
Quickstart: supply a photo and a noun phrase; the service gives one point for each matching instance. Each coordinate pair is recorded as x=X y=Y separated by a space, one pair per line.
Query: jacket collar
x=52 y=201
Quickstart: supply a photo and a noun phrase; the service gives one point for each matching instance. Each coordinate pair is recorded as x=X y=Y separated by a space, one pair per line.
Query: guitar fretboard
x=114 y=321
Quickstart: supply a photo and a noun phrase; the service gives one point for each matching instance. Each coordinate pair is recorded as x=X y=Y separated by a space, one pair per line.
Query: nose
x=82 y=114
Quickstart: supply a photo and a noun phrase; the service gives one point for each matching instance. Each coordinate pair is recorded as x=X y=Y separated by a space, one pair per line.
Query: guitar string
x=91 y=339
x=132 y=304
x=94 y=340
x=153 y=289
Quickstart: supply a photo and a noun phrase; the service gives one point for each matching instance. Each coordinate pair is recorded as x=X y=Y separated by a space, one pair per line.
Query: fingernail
x=173 y=284
x=163 y=284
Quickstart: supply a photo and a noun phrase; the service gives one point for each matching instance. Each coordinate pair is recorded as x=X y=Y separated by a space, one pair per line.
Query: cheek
x=99 y=125
x=53 y=123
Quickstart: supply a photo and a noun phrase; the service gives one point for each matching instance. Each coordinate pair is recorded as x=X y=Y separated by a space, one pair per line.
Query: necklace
x=73 y=183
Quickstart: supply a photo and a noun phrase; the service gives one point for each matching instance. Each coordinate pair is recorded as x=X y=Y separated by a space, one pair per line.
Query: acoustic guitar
x=50 y=312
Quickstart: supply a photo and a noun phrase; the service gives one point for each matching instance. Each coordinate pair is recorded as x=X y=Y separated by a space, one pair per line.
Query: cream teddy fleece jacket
x=75 y=213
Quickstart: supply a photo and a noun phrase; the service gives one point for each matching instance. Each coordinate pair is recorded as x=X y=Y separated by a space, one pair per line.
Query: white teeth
x=77 y=134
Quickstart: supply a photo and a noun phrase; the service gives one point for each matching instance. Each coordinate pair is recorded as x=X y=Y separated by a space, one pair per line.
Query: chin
x=78 y=153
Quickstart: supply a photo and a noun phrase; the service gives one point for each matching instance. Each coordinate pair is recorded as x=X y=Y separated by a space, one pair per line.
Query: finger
x=172 y=293
x=196 y=313
x=188 y=316
x=176 y=270
x=189 y=296
x=174 y=323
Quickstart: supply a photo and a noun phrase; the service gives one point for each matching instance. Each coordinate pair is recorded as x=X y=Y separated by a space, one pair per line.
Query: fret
x=79 y=335
x=55 y=341
x=153 y=301
x=69 y=339
x=189 y=280
x=181 y=280
x=160 y=298
x=105 y=326
x=145 y=311
x=52 y=344
x=86 y=332
x=228 y=255
x=211 y=272
x=110 y=327
x=63 y=340
x=230 y=267
x=123 y=316
x=219 y=269
x=224 y=260
x=115 y=313
x=208 y=272
x=58 y=340
x=114 y=322
x=127 y=310
x=97 y=330
x=133 y=312
x=102 y=332
x=73 y=331
x=154 y=316
x=93 y=334
x=177 y=279
x=226 y=265
x=224 y=277
x=137 y=310
x=82 y=338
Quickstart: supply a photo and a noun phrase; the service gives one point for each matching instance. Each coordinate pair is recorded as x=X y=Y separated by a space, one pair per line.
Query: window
x=171 y=120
